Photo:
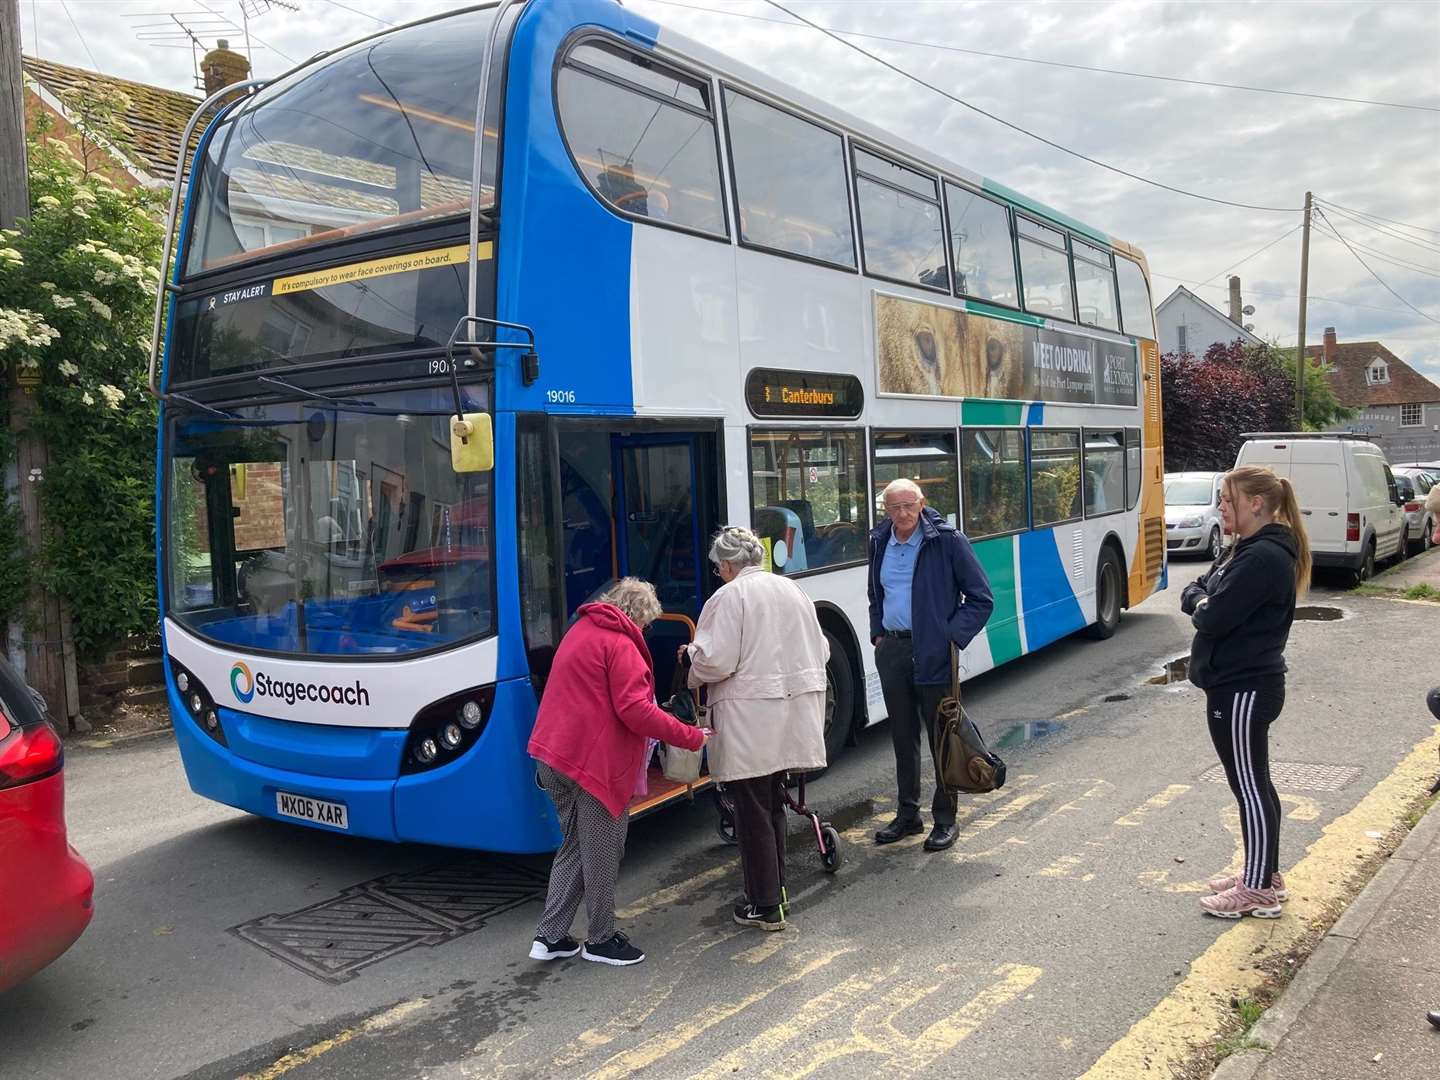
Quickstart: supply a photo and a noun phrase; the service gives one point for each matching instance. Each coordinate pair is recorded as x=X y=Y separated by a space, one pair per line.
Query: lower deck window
x=993 y=462
x=1104 y=472
x=1054 y=476
x=808 y=495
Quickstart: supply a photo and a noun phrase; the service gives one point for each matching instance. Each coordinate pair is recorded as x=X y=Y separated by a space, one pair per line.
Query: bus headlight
x=447 y=729
x=470 y=715
x=425 y=751
x=182 y=680
x=198 y=702
x=450 y=736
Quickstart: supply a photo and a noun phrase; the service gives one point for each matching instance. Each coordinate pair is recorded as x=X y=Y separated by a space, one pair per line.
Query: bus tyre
x=1108 y=594
x=839 y=698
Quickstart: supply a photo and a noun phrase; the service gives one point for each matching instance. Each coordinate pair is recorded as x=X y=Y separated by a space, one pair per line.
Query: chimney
x=1327 y=352
x=1235 y=314
x=221 y=67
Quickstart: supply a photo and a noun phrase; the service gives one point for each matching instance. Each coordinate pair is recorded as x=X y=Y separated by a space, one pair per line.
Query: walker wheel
x=830 y=854
x=725 y=822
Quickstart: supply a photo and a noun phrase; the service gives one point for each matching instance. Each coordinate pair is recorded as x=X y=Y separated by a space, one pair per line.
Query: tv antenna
x=199 y=30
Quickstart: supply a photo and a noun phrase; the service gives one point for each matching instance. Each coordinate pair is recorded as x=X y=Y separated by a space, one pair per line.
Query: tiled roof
x=1352 y=358
x=155 y=120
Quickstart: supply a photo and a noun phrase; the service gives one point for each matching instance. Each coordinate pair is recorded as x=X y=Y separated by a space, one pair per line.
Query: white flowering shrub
x=77 y=292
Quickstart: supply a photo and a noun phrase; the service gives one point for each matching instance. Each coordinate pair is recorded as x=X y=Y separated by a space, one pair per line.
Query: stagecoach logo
x=242 y=682
x=245 y=685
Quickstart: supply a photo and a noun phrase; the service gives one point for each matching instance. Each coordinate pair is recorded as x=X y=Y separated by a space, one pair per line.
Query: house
x=1187 y=324
x=153 y=119
x=1397 y=405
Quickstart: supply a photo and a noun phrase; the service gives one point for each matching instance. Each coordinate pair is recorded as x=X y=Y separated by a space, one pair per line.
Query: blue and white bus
x=672 y=294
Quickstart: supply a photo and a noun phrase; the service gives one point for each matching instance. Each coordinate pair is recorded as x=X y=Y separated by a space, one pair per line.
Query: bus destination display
x=773 y=393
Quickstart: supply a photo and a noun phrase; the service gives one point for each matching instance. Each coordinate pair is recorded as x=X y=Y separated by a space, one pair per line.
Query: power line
x=1267 y=247
x=1074 y=67
x=1385 y=230
x=93 y=62
x=1281 y=296
x=1377 y=217
x=1383 y=256
x=1016 y=127
x=1376 y=276
x=357 y=11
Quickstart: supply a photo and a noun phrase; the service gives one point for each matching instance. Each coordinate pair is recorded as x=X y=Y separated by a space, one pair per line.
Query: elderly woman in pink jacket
x=760 y=650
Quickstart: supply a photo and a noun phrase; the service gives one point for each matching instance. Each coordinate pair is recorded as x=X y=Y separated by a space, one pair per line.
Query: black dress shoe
x=1434 y=1017
x=899 y=829
x=941 y=837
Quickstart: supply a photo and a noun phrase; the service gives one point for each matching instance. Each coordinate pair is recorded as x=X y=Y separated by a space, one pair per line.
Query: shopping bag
x=963 y=763
x=677 y=764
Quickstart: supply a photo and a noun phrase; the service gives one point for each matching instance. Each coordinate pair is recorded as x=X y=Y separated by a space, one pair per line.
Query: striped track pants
x=1240 y=719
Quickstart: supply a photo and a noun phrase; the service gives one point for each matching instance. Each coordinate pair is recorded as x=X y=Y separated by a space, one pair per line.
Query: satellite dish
x=1248 y=309
x=1250 y=326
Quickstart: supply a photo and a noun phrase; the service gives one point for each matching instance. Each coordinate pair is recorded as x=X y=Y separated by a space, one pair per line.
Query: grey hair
x=636 y=598
x=737 y=546
x=903 y=484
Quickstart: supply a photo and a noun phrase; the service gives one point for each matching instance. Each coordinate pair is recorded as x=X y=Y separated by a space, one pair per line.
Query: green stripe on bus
x=997 y=559
x=1040 y=208
x=980 y=308
x=984 y=413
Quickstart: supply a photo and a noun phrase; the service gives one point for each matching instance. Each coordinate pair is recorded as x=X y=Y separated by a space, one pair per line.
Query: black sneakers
x=765 y=918
x=545 y=949
x=615 y=950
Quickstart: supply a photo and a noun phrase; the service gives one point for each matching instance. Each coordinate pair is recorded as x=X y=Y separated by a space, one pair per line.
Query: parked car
x=1192 y=514
x=1347 y=494
x=46 y=888
x=1414 y=484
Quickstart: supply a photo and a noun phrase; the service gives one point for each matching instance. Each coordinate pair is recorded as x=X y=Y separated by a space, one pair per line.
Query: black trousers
x=912 y=709
x=760 y=830
x=1240 y=719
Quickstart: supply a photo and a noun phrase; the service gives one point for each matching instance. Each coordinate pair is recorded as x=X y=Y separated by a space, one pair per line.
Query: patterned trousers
x=587 y=863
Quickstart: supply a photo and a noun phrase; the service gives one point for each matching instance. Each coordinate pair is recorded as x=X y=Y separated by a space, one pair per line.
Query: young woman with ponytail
x=1242 y=608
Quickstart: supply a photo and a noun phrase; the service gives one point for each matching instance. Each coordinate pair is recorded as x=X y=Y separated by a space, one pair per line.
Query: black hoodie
x=1242 y=608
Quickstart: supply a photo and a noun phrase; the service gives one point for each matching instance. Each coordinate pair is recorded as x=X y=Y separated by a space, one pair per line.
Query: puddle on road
x=1319 y=613
x=1026 y=731
x=1177 y=670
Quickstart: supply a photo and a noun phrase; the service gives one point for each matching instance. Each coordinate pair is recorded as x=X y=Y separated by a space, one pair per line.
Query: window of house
x=1054 y=476
x=926 y=457
x=981 y=247
x=993 y=469
x=1134 y=464
x=790 y=183
x=1379 y=372
x=1095 y=286
x=1137 y=315
x=1045 y=270
x=1182 y=342
x=643 y=135
x=1104 y=472
x=1412 y=414
x=901 y=234
x=808 y=497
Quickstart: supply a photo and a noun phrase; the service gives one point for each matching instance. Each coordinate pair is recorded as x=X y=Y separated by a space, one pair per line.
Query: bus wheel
x=1107 y=595
x=839 y=698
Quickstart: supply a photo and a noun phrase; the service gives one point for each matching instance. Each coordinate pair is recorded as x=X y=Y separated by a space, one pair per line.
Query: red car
x=46 y=888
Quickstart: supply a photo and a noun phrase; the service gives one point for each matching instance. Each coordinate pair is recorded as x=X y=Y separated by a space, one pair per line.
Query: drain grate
x=370 y=922
x=1298 y=775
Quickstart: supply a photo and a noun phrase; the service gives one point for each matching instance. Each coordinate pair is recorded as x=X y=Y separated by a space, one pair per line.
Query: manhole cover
x=370 y=922
x=1297 y=775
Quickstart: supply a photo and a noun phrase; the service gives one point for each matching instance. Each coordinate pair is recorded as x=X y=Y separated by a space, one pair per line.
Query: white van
x=1352 y=509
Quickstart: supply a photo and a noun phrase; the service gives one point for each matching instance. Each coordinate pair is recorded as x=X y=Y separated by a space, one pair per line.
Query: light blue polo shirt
x=897 y=571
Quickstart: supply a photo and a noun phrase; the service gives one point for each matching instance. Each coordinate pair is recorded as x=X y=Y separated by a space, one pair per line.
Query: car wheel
x=1109 y=590
x=839 y=698
x=1402 y=549
x=1212 y=552
x=1426 y=543
x=1366 y=570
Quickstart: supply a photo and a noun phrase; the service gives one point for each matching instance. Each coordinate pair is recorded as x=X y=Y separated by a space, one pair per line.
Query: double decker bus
x=670 y=294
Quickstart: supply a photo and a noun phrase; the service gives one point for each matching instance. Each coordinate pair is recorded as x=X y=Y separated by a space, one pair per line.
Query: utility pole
x=1300 y=338
x=44 y=628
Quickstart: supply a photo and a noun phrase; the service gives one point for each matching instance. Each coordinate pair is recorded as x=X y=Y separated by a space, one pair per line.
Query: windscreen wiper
x=201 y=405
x=314 y=395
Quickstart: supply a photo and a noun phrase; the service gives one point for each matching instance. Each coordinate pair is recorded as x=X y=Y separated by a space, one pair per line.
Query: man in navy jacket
x=927 y=591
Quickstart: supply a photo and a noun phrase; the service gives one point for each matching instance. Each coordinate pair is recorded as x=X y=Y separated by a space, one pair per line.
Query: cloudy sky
x=1245 y=146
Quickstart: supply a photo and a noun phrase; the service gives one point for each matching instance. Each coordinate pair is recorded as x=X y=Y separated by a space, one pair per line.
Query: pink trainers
x=1233 y=903
x=1277 y=883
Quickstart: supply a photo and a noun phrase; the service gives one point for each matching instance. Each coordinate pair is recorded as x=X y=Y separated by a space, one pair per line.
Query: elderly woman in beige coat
x=760 y=650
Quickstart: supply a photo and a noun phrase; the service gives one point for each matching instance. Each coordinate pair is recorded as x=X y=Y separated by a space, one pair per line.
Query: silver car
x=1414 y=485
x=1192 y=514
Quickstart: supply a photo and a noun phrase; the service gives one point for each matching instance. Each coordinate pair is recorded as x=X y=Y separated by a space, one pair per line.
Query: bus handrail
x=162 y=289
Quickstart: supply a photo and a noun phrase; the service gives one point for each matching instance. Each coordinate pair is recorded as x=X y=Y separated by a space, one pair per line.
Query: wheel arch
x=1112 y=540
x=836 y=622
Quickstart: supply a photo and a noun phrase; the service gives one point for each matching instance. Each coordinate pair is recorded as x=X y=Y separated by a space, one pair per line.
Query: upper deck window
x=1095 y=285
x=901 y=232
x=790 y=183
x=382 y=134
x=981 y=247
x=643 y=135
x=1045 y=270
x=1139 y=316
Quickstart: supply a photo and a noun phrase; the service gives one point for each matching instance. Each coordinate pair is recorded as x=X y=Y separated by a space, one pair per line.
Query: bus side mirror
x=472 y=443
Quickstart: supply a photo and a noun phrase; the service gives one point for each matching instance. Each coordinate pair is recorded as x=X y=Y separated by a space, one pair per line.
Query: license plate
x=307 y=809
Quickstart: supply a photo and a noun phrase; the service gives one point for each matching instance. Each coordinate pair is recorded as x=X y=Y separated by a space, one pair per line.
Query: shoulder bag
x=962 y=761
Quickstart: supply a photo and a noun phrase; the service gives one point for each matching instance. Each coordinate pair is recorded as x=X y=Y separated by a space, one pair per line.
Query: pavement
x=1418 y=570
x=1357 y=1007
